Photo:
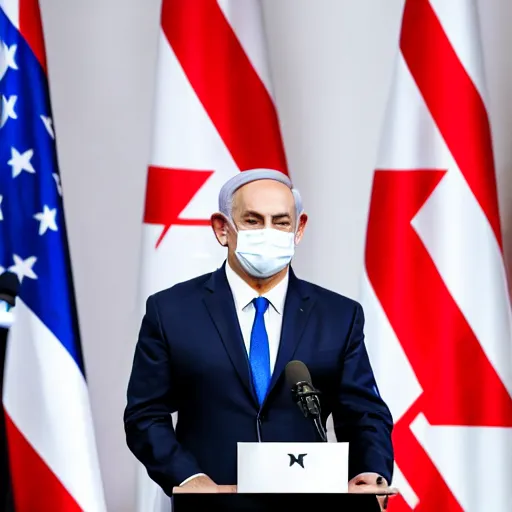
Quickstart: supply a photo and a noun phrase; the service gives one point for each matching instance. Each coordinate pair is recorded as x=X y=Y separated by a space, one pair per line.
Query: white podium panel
x=292 y=467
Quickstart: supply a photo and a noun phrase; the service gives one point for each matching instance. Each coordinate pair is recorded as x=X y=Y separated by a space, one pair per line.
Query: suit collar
x=298 y=306
x=243 y=294
x=218 y=299
x=217 y=282
x=220 y=303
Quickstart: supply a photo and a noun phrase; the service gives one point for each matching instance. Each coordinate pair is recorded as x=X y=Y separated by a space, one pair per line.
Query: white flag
x=214 y=116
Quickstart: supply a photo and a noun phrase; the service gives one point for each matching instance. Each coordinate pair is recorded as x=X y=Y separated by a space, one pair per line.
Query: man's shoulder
x=183 y=290
x=326 y=296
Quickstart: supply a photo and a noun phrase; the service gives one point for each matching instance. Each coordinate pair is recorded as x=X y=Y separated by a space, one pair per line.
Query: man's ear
x=303 y=220
x=220 y=227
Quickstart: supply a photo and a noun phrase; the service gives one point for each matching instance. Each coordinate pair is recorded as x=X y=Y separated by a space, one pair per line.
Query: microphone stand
x=306 y=397
x=6 y=498
x=320 y=429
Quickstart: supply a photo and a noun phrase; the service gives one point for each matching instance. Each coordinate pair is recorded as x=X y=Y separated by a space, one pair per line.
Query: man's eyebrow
x=253 y=213
x=256 y=214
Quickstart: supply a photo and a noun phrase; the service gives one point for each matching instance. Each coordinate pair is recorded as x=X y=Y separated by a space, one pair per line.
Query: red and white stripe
x=49 y=423
x=434 y=288
x=214 y=116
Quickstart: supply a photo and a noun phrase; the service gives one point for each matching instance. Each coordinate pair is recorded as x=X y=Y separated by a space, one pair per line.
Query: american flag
x=51 y=443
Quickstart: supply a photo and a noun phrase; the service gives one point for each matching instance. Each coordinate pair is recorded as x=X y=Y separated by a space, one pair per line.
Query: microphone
x=304 y=394
x=9 y=288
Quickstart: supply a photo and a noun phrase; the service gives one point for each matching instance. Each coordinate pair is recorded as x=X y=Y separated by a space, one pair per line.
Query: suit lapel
x=221 y=307
x=296 y=313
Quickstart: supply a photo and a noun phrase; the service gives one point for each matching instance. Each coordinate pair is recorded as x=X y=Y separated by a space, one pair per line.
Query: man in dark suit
x=214 y=349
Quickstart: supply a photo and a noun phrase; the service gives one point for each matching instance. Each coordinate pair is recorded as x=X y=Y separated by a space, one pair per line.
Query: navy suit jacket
x=191 y=358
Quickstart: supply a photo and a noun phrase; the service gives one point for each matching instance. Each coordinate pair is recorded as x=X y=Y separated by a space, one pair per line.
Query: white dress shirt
x=243 y=295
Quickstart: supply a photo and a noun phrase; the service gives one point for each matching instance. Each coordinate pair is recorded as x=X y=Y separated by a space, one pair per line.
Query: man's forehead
x=264 y=191
x=268 y=179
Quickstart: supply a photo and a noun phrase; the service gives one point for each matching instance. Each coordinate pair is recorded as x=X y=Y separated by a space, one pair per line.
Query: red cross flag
x=434 y=290
x=214 y=116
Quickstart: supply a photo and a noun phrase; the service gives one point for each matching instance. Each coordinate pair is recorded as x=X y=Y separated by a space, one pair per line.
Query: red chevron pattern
x=445 y=337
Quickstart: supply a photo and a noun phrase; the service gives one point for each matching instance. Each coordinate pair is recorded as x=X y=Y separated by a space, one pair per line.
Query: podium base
x=268 y=502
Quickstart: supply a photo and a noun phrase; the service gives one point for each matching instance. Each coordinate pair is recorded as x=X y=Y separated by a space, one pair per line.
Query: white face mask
x=264 y=252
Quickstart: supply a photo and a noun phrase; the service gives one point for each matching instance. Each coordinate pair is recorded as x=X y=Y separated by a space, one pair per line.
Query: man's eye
x=251 y=221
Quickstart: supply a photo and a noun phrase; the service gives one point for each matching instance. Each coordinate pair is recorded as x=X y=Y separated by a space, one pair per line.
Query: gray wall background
x=331 y=63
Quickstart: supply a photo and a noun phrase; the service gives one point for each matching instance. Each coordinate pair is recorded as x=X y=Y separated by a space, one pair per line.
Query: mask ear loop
x=297 y=228
x=229 y=221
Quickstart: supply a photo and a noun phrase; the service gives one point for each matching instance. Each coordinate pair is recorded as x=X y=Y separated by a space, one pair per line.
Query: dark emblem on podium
x=297 y=460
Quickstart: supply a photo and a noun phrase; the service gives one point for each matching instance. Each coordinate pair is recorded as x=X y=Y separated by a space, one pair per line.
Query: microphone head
x=296 y=371
x=9 y=287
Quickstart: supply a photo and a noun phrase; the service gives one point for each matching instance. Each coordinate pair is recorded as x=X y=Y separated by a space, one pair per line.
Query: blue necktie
x=259 y=355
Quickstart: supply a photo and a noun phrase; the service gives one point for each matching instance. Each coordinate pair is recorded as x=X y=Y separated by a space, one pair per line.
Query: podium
x=265 y=502
x=285 y=476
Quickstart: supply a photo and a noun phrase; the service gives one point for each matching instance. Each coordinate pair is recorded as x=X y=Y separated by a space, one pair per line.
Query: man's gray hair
x=243 y=178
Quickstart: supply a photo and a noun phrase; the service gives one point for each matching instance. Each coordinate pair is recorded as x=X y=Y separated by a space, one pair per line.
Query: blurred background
x=331 y=64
